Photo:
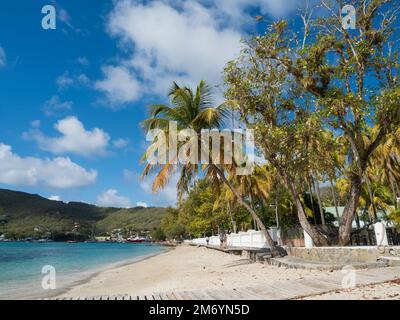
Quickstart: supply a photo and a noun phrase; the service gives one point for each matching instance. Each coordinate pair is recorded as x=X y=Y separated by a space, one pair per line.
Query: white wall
x=249 y=239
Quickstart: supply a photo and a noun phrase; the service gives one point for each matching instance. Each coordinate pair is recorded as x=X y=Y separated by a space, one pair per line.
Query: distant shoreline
x=27 y=286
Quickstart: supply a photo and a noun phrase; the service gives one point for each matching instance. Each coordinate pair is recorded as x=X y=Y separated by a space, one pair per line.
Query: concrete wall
x=341 y=254
x=249 y=239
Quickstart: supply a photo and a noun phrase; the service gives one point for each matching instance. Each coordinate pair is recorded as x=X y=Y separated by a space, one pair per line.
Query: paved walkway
x=276 y=290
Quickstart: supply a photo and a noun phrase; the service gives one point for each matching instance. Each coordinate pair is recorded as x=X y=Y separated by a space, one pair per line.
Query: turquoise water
x=21 y=264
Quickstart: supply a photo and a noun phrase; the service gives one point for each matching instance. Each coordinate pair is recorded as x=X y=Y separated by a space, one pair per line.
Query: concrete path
x=276 y=290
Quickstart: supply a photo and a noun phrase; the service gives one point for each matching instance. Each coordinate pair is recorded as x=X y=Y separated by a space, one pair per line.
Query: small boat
x=136 y=240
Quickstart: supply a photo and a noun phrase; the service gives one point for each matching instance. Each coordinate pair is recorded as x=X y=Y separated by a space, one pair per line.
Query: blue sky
x=71 y=99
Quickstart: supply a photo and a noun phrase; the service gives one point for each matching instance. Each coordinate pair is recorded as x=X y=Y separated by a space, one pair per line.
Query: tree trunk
x=253 y=207
x=350 y=211
x=276 y=211
x=312 y=199
x=321 y=209
x=374 y=216
x=335 y=201
x=394 y=192
x=318 y=238
x=273 y=247
x=231 y=215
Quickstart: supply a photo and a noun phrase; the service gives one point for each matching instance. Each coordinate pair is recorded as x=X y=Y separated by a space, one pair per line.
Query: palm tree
x=193 y=110
x=387 y=158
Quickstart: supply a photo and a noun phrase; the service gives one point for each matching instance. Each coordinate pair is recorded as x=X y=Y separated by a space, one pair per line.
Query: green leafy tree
x=172 y=226
x=291 y=85
x=158 y=235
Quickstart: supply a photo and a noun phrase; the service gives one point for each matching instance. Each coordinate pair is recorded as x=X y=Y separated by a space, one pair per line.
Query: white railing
x=249 y=239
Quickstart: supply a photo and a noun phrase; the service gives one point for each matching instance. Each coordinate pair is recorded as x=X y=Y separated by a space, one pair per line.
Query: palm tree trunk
x=394 y=192
x=271 y=244
x=358 y=221
x=374 y=216
x=311 y=199
x=335 y=200
x=231 y=215
x=252 y=206
x=276 y=211
x=321 y=209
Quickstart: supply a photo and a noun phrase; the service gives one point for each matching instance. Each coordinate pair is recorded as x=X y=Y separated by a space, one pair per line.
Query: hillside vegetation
x=27 y=215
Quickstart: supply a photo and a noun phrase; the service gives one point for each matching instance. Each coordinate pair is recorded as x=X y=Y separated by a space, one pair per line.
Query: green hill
x=26 y=215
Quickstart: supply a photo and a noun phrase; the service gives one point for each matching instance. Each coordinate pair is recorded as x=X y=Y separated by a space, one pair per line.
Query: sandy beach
x=187 y=268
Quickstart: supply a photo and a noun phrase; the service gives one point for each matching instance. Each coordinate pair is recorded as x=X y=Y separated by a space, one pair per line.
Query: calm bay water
x=21 y=264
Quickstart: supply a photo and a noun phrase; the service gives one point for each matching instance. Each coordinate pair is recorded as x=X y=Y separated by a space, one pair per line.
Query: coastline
x=188 y=268
x=98 y=271
x=181 y=268
x=27 y=286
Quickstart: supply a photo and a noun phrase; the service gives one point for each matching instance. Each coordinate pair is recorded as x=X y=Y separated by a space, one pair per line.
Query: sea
x=33 y=270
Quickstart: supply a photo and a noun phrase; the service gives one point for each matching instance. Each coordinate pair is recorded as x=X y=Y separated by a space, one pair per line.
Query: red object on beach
x=136 y=240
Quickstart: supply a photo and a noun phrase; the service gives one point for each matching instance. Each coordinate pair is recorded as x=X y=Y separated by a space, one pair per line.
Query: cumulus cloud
x=183 y=41
x=74 y=139
x=2 y=57
x=110 y=198
x=83 y=61
x=64 y=81
x=169 y=44
x=67 y=80
x=59 y=173
x=54 y=106
x=120 y=143
x=141 y=204
x=119 y=85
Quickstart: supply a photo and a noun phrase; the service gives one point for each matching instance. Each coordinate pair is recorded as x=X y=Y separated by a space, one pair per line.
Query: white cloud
x=64 y=17
x=83 y=79
x=74 y=139
x=2 y=57
x=141 y=204
x=67 y=80
x=119 y=85
x=110 y=198
x=31 y=171
x=182 y=41
x=185 y=45
x=54 y=106
x=35 y=124
x=64 y=81
x=120 y=143
x=55 y=198
x=83 y=61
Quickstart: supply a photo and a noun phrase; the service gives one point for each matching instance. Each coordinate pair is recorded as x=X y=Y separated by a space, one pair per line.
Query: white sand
x=384 y=291
x=187 y=268
x=184 y=268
